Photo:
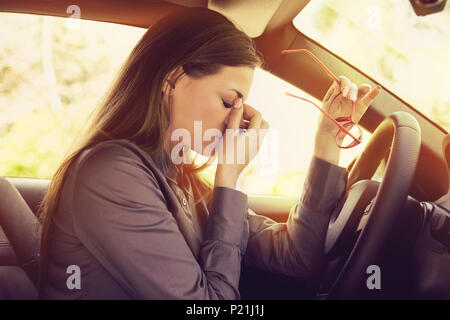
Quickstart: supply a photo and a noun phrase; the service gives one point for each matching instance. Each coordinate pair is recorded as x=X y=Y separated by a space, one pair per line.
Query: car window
x=388 y=41
x=54 y=72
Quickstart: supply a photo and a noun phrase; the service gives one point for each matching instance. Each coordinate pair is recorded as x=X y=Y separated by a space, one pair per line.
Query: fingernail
x=345 y=91
x=238 y=104
x=353 y=96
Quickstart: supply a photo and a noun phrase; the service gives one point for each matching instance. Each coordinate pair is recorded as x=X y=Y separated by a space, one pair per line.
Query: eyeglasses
x=350 y=133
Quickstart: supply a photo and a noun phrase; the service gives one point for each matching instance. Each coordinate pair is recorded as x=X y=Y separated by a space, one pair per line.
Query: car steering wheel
x=398 y=137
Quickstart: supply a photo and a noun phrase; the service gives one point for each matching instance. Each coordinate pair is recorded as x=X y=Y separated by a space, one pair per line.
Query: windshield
x=408 y=54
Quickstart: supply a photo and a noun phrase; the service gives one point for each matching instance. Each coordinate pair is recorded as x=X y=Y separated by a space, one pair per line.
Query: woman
x=122 y=219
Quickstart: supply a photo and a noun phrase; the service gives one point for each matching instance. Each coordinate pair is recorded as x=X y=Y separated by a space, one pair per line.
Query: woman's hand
x=340 y=97
x=342 y=105
x=238 y=148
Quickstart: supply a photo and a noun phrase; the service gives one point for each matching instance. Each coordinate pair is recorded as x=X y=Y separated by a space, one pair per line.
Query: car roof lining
x=143 y=13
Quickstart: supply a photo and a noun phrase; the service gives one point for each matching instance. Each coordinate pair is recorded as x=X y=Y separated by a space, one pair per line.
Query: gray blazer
x=133 y=233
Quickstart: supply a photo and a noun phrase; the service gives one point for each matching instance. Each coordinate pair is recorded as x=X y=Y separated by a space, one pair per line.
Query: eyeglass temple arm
x=286 y=51
x=326 y=114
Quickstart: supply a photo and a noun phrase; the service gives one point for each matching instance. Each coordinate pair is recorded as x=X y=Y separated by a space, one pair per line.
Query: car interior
x=401 y=224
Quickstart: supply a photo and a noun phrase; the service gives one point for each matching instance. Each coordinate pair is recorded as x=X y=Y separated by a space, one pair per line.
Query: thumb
x=236 y=115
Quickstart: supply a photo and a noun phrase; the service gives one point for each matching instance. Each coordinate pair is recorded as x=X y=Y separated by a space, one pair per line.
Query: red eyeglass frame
x=347 y=120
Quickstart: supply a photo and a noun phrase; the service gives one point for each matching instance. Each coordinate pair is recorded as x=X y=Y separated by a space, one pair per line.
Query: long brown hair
x=198 y=39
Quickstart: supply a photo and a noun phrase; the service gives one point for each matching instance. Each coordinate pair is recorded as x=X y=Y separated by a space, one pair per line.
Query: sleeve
x=120 y=214
x=296 y=247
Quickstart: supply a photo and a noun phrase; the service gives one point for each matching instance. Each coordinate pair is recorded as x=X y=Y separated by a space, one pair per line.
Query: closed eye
x=226 y=105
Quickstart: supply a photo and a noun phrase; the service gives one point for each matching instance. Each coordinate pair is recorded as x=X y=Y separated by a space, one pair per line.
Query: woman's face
x=204 y=104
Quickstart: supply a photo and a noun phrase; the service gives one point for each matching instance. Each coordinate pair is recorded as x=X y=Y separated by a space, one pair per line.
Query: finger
x=332 y=91
x=264 y=128
x=249 y=111
x=264 y=124
x=235 y=115
x=255 y=120
x=344 y=83
x=353 y=93
x=370 y=97
x=365 y=102
x=262 y=131
x=363 y=89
